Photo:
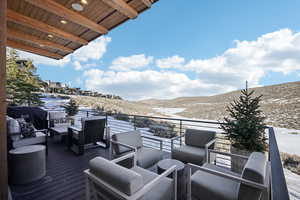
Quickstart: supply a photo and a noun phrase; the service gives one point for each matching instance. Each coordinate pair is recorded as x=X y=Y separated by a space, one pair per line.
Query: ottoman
x=27 y=164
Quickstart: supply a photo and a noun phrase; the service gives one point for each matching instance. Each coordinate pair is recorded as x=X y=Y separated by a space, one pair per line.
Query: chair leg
x=189 y=192
x=81 y=149
x=87 y=189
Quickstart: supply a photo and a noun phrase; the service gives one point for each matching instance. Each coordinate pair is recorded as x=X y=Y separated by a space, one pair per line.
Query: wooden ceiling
x=36 y=25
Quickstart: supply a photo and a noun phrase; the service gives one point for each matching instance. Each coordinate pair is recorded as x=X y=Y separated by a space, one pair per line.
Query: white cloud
x=79 y=66
x=44 y=60
x=93 y=51
x=148 y=84
x=170 y=62
x=251 y=60
x=130 y=62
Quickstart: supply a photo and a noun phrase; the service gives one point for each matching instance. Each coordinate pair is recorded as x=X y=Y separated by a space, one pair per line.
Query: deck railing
x=278 y=188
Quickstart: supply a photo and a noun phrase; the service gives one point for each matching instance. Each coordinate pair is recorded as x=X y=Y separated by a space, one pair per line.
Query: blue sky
x=188 y=48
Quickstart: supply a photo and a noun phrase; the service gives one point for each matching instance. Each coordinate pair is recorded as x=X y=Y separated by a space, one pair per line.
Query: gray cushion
x=13 y=126
x=38 y=139
x=125 y=180
x=132 y=138
x=189 y=154
x=147 y=157
x=254 y=170
x=198 y=138
x=163 y=191
x=208 y=186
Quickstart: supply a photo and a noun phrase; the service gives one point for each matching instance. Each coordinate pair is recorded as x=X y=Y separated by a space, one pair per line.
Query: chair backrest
x=132 y=138
x=116 y=176
x=198 y=138
x=93 y=129
x=255 y=170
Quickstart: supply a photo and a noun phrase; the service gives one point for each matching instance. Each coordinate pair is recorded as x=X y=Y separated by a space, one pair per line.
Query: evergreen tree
x=71 y=107
x=246 y=128
x=23 y=85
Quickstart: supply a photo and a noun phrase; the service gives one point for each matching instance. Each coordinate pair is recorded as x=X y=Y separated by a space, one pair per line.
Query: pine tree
x=23 y=85
x=246 y=128
x=71 y=107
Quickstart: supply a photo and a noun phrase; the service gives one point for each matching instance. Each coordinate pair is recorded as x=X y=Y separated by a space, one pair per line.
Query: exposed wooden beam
x=36 y=40
x=46 y=28
x=24 y=47
x=60 y=10
x=3 y=134
x=122 y=7
x=148 y=3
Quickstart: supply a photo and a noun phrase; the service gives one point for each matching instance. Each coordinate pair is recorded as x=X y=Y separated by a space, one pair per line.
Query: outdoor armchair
x=93 y=133
x=123 y=143
x=215 y=182
x=107 y=180
x=195 y=150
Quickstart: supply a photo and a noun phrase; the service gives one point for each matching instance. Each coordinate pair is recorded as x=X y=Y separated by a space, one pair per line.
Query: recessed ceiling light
x=50 y=36
x=77 y=6
x=41 y=45
x=63 y=21
x=84 y=2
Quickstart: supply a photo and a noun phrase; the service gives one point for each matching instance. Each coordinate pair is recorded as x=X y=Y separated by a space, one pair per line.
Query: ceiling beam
x=46 y=28
x=122 y=7
x=24 y=47
x=36 y=40
x=148 y=3
x=58 y=9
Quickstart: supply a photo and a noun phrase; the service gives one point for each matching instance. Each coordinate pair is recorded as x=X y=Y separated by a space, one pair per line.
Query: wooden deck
x=64 y=179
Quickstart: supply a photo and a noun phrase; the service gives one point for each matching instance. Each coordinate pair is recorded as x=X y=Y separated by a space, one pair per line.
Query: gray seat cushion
x=208 y=186
x=38 y=139
x=123 y=179
x=254 y=170
x=198 y=138
x=163 y=191
x=132 y=138
x=189 y=154
x=147 y=157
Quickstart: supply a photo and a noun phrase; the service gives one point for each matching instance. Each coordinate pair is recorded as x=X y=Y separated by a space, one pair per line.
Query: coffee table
x=165 y=164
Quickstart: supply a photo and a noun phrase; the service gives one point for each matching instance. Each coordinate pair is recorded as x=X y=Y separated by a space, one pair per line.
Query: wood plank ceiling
x=52 y=28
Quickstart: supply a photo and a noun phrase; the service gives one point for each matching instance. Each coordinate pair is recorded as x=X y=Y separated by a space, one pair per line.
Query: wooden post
x=3 y=136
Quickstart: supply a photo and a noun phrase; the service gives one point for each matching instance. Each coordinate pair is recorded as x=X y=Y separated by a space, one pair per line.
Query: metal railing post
x=134 y=122
x=87 y=113
x=180 y=132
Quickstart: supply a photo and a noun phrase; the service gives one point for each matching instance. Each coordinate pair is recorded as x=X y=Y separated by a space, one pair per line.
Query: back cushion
x=254 y=170
x=123 y=179
x=132 y=138
x=13 y=126
x=198 y=138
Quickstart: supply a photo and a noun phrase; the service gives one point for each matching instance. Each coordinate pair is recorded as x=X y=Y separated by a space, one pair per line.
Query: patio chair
x=195 y=150
x=107 y=180
x=93 y=133
x=16 y=139
x=215 y=182
x=58 y=123
x=122 y=143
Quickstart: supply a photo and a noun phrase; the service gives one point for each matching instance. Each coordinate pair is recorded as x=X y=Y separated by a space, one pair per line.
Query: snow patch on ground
x=288 y=140
x=169 y=111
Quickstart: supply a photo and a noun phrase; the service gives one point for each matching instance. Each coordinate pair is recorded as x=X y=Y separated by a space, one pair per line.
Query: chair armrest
x=209 y=144
x=156 y=139
x=156 y=181
x=126 y=157
x=175 y=138
x=125 y=145
x=228 y=154
x=229 y=176
x=75 y=128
